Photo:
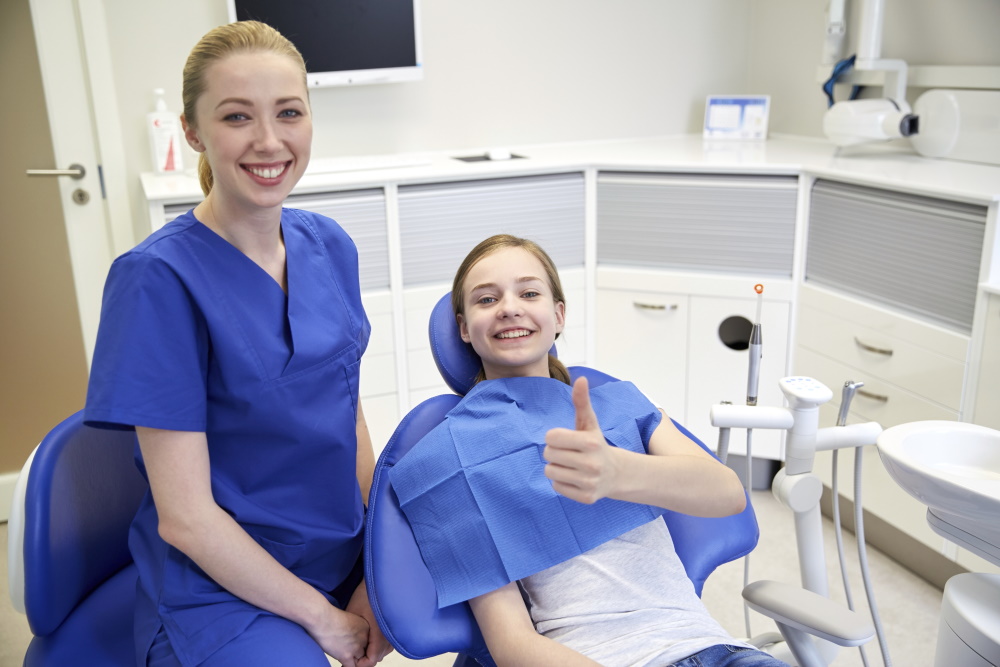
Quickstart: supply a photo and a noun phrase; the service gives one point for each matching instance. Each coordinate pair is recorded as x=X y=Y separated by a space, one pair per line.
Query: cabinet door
x=378 y=388
x=988 y=391
x=440 y=223
x=911 y=254
x=685 y=222
x=719 y=370
x=642 y=337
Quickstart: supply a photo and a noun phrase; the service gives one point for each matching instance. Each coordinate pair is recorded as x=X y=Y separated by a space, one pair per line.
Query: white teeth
x=514 y=334
x=273 y=172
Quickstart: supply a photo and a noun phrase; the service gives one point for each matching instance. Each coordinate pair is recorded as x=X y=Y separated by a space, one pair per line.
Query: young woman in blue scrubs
x=231 y=341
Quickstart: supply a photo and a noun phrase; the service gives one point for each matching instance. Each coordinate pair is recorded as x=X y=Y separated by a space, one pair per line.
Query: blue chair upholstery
x=400 y=587
x=81 y=492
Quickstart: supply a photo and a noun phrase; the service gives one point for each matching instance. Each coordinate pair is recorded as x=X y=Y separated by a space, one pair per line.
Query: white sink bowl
x=954 y=469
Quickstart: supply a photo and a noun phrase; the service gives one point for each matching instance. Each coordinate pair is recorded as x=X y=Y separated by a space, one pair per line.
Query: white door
x=62 y=58
x=54 y=252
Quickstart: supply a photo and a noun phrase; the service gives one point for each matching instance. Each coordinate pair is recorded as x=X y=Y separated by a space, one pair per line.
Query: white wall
x=786 y=41
x=507 y=72
x=496 y=73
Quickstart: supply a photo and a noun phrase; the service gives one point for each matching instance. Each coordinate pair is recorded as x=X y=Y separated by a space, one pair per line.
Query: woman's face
x=510 y=316
x=255 y=127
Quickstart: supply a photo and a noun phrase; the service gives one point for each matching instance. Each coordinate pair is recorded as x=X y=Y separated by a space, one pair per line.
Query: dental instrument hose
x=753 y=382
x=859 y=531
x=850 y=387
x=847 y=395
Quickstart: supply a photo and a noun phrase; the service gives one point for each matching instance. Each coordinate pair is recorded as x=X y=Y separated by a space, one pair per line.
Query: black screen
x=339 y=35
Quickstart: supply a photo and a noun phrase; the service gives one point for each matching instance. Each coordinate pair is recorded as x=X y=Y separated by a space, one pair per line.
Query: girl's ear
x=191 y=135
x=560 y=316
x=463 y=328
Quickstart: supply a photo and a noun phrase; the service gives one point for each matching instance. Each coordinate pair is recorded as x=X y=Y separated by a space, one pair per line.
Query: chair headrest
x=457 y=362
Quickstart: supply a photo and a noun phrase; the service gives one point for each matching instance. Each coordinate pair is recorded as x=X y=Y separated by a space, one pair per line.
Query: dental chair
x=400 y=587
x=70 y=570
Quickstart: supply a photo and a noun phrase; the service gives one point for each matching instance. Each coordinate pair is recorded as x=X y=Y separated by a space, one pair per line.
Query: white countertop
x=887 y=166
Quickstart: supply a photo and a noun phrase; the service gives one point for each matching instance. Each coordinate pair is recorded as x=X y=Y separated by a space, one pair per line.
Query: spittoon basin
x=953 y=468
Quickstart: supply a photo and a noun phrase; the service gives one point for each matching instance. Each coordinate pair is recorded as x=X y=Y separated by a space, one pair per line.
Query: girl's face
x=255 y=127
x=510 y=317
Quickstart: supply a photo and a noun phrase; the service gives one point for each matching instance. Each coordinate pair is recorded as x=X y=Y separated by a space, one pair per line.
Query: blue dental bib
x=475 y=493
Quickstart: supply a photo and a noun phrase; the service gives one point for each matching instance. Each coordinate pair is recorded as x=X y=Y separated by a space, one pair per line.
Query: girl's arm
x=510 y=635
x=177 y=464
x=678 y=475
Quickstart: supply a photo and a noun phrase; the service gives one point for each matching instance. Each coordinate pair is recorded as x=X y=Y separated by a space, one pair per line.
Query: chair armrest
x=809 y=612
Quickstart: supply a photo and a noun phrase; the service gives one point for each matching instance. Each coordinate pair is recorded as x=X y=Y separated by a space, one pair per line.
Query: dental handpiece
x=755 y=350
x=846 y=396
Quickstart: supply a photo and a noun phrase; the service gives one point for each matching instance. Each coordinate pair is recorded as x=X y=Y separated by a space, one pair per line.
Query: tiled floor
x=908 y=605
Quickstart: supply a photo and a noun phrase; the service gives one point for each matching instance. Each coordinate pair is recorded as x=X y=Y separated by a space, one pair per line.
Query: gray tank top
x=626 y=602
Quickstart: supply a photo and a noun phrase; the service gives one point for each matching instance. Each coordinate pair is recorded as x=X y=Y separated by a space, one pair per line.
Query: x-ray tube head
x=863 y=121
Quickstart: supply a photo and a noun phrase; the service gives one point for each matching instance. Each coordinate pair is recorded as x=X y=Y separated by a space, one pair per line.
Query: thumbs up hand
x=581 y=465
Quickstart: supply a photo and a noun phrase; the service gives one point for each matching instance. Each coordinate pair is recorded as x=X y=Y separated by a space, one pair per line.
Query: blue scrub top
x=195 y=336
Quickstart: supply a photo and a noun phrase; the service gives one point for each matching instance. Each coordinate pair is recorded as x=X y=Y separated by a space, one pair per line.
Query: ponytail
x=205 y=177
x=557 y=370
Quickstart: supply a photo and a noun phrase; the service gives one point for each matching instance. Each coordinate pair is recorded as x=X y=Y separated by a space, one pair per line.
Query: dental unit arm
x=805 y=613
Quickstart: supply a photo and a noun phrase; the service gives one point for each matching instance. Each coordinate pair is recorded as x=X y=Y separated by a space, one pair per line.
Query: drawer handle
x=654 y=306
x=871 y=348
x=881 y=398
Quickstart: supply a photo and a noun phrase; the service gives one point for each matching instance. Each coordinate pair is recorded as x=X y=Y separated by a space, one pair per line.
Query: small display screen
x=736 y=117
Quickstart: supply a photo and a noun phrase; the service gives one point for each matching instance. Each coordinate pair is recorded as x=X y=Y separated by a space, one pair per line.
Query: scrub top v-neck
x=195 y=336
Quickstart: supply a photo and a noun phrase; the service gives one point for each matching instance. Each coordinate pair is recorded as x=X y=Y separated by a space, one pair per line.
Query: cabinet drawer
x=882 y=402
x=879 y=355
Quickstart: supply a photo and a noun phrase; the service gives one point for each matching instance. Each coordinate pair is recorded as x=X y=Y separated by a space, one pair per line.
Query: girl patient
x=626 y=600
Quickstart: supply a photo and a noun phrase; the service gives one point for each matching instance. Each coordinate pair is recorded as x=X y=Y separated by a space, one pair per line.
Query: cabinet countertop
x=891 y=166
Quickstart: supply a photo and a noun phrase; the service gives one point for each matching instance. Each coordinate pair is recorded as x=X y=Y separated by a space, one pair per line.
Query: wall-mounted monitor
x=345 y=42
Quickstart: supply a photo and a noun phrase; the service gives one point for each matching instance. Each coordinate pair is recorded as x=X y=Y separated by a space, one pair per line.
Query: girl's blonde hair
x=494 y=243
x=226 y=40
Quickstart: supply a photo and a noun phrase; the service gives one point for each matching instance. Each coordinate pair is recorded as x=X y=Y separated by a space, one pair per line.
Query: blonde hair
x=491 y=245
x=226 y=40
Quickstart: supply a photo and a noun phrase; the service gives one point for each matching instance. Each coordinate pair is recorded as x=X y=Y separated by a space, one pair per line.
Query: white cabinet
x=718 y=369
x=642 y=337
x=913 y=370
x=675 y=347
x=987 y=405
x=378 y=389
x=890 y=293
x=678 y=256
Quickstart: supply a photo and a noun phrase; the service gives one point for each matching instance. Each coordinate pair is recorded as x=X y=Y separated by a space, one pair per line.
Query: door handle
x=75 y=171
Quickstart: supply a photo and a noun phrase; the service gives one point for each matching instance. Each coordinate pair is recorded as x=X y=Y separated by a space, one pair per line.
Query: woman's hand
x=342 y=635
x=581 y=464
x=378 y=645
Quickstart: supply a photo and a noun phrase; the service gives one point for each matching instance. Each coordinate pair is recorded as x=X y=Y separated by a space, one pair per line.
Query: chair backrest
x=400 y=587
x=81 y=492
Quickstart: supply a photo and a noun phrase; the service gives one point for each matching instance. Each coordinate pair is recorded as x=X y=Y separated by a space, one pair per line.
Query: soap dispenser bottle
x=164 y=127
